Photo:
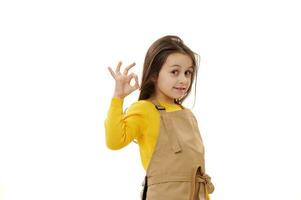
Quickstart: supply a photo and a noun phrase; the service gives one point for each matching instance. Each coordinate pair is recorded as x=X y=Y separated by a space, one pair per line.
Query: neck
x=161 y=100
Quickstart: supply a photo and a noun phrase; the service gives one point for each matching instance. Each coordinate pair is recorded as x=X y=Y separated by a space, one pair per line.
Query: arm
x=121 y=128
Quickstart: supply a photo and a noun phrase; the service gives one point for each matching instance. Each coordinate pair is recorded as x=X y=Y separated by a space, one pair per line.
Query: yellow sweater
x=140 y=122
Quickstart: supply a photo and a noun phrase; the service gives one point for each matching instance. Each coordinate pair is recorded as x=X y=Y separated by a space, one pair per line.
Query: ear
x=153 y=78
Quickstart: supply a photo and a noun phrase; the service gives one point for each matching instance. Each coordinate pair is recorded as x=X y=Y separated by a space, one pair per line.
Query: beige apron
x=176 y=170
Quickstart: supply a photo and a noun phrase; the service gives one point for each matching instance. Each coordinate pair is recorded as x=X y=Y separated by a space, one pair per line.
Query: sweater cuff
x=117 y=102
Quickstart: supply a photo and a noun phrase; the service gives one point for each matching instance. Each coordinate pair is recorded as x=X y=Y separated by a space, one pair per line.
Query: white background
x=55 y=91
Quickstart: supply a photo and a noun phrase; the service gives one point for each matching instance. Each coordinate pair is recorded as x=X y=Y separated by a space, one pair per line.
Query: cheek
x=166 y=79
x=189 y=80
x=189 y=83
x=162 y=82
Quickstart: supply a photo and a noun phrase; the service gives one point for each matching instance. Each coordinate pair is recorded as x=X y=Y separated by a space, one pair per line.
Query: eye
x=173 y=72
x=189 y=72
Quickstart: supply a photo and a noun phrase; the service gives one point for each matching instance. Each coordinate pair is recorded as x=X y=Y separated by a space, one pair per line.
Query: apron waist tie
x=199 y=176
x=207 y=181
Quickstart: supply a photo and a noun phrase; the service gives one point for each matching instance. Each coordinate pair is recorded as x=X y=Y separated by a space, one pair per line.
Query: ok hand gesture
x=122 y=81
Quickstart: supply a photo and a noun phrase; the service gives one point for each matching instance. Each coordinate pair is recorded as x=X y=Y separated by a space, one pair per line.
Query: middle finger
x=118 y=67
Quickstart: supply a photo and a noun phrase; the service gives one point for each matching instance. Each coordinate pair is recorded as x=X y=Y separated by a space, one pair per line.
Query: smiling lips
x=180 y=88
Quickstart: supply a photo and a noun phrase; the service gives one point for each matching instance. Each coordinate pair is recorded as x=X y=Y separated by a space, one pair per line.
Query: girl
x=171 y=147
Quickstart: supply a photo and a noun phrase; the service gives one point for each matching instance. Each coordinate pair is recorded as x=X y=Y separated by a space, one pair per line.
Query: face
x=174 y=77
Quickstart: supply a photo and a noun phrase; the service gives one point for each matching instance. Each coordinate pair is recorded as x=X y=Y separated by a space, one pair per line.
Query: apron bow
x=206 y=179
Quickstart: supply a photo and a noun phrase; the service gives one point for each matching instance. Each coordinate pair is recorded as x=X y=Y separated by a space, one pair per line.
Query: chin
x=176 y=97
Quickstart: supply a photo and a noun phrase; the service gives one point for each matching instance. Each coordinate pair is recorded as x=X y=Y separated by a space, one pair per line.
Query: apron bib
x=176 y=170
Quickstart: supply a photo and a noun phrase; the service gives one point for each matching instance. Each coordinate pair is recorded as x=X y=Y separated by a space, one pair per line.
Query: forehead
x=179 y=59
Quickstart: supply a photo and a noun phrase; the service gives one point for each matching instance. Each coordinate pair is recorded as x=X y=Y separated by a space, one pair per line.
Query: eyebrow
x=180 y=66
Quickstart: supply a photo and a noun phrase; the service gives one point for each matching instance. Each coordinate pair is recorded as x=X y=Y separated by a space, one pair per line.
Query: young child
x=171 y=147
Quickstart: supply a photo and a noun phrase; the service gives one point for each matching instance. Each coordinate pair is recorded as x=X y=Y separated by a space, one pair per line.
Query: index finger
x=128 y=68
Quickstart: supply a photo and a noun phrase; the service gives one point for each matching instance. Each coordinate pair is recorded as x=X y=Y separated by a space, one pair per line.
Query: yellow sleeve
x=122 y=128
x=207 y=196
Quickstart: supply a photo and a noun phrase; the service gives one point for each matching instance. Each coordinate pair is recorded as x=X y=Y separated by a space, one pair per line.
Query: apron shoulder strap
x=158 y=106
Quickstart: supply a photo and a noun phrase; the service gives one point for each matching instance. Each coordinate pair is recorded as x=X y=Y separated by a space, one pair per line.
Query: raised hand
x=122 y=81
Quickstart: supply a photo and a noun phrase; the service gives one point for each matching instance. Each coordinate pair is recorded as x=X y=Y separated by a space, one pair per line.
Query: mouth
x=180 y=88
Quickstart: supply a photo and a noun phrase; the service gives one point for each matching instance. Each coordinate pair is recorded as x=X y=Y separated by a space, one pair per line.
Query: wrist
x=118 y=96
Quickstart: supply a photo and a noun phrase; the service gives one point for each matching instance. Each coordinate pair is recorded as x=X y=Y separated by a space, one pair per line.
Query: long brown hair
x=156 y=57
